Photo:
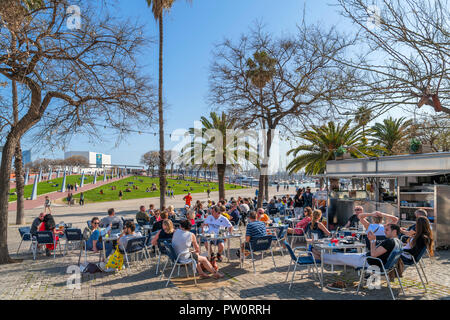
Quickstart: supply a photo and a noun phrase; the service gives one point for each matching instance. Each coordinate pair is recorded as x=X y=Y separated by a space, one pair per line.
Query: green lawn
x=179 y=187
x=46 y=186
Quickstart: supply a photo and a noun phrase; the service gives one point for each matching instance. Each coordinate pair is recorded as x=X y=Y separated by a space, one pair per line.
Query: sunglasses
x=95 y=222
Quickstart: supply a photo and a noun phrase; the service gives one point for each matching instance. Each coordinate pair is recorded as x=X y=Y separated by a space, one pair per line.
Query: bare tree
x=77 y=78
x=303 y=86
x=151 y=160
x=404 y=50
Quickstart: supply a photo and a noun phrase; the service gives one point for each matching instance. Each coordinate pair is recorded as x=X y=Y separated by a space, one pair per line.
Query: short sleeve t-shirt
x=215 y=224
x=353 y=221
x=188 y=200
x=256 y=229
x=235 y=215
x=94 y=236
x=389 y=245
x=264 y=218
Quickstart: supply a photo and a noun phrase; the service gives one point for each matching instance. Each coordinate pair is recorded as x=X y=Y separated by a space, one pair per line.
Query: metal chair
x=73 y=236
x=282 y=232
x=416 y=263
x=25 y=235
x=297 y=236
x=135 y=245
x=260 y=244
x=161 y=250
x=386 y=268
x=175 y=260
x=45 y=237
x=307 y=260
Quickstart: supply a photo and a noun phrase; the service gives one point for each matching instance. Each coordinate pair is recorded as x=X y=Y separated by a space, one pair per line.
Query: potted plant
x=339 y=153
x=415 y=146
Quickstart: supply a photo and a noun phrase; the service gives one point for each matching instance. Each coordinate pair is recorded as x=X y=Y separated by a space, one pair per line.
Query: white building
x=96 y=160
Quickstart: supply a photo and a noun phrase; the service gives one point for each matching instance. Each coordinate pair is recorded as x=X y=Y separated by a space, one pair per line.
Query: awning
x=385 y=174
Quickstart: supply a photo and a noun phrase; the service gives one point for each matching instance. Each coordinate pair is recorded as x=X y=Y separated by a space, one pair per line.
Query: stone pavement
x=46 y=278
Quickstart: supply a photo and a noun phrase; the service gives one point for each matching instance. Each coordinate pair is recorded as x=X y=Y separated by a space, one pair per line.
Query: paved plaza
x=46 y=278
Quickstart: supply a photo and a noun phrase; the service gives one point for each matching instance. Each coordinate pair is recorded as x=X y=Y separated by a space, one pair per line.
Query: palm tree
x=362 y=117
x=213 y=151
x=261 y=70
x=392 y=135
x=158 y=8
x=323 y=143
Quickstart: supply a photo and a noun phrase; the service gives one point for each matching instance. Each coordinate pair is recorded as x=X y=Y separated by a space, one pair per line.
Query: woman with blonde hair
x=315 y=226
x=171 y=212
x=166 y=233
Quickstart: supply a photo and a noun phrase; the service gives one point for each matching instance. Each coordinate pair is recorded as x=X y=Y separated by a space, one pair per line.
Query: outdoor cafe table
x=324 y=246
x=208 y=237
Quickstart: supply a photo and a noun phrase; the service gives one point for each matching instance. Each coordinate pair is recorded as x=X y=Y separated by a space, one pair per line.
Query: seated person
x=315 y=226
x=166 y=233
x=48 y=224
x=36 y=223
x=302 y=224
x=94 y=243
x=234 y=213
x=127 y=234
x=223 y=211
x=142 y=215
x=214 y=222
x=411 y=230
x=356 y=260
x=272 y=207
x=377 y=226
x=255 y=229
x=182 y=241
x=423 y=237
x=158 y=224
x=191 y=216
x=111 y=219
x=354 y=220
x=261 y=216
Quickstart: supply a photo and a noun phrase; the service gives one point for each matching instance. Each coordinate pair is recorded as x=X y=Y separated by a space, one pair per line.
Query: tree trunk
x=162 y=160
x=261 y=189
x=5 y=172
x=221 y=176
x=266 y=187
x=20 y=215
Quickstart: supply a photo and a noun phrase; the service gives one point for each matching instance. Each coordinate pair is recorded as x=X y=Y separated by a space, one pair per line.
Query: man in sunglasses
x=353 y=220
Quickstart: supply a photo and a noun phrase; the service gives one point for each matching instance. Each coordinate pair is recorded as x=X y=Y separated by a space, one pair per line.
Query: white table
x=324 y=246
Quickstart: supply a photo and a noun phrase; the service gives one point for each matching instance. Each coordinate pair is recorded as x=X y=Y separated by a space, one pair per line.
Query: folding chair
x=45 y=237
x=25 y=235
x=386 y=268
x=260 y=244
x=135 y=245
x=307 y=260
x=282 y=232
x=175 y=260
x=161 y=250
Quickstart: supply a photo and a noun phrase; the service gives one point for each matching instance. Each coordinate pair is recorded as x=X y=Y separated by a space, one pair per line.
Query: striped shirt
x=256 y=229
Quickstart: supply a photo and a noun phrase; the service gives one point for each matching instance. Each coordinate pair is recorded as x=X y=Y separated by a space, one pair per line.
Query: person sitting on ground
x=411 y=230
x=255 y=229
x=166 y=233
x=36 y=223
x=422 y=238
x=315 y=226
x=94 y=243
x=127 y=234
x=261 y=216
x=377 y=217
x=158 y=224
x=182 y=241
x=214 y=222
x=302 y=224
x=354 y=220
x=142 y=215
x=356 y=260
x=111 y=219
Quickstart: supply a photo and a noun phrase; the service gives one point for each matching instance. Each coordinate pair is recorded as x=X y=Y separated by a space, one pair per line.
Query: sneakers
x=219 y=257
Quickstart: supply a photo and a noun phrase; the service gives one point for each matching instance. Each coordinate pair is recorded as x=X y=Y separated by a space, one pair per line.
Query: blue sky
x=191 y=31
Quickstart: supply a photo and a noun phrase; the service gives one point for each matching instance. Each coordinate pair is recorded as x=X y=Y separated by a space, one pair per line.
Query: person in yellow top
x=261 y=216
x=223 y=211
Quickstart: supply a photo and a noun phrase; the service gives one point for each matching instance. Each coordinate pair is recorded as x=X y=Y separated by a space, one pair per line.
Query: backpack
x=87 y=233
x=92 y=268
